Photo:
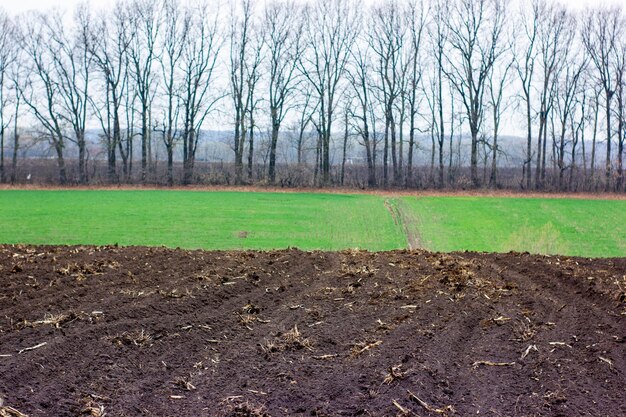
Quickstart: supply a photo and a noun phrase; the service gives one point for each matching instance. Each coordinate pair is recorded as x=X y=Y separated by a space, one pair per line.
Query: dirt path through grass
x=406 y=219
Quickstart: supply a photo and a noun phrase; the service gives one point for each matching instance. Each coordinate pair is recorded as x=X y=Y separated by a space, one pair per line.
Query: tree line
x=422 y=91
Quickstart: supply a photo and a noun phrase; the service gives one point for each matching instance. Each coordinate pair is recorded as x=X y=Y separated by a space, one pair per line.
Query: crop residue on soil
x=93 y=331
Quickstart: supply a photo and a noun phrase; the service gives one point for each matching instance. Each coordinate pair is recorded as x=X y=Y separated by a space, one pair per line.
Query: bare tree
x=307 y=109
x=601 y=30
x=199 y=95
x=252 y=77
x=41 y=91
x=475 y=28
x=553 y=38
x=498 y=82
x=595 y=106
x=387 y=32
x=241 y=73
x=416 y=20
x=144 y=19
x=72 y=62
x=568 y=80
x=439 y=33
x=579 y=121
x=440 y=68
x=110 y=40
x=359 y=76
x=330 y=31
x=16 y=81
x=620 y=73
x=284 y=47
x=174 y=39
x=525 y=68
x=8 y=56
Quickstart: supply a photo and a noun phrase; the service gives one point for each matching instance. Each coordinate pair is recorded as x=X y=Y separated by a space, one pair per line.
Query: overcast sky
x=17 y=6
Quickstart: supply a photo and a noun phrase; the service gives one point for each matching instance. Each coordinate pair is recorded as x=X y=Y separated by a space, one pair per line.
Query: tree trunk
x=409 y=163
x=170 y=165
x=169 y=147
x=386 y=155
x=16 y=143
x=318 y=157
x=607 y=185
x=620 y=154
x=250 y=152
x=474 y=158
x=400 y=180
x=561 y=158
x=431 y=174
x=543 y=155
x=594 y=138
x=2 y=173
x=394 y=150
x=542 y=127
x=493 y=178
x=82 y=169
x=529 y=139
x=345 y=147
x=189 y=160
x=273 y=143
x=371 y=167
x=572 y=167
x=441 y=165
x=58 y=147
x=584 y=155
x=326 y=160
x=144 y=143
x=112 y=142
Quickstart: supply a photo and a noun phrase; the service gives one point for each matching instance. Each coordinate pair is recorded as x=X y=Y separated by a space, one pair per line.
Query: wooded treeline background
x=401 y=93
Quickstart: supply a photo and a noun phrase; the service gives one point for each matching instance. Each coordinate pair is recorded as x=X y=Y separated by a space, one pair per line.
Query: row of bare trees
x=420 y=93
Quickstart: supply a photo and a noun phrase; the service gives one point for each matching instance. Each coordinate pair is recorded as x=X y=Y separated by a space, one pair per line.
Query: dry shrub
x=362 y=347
x=54 y=320
x=291 y=340
x=524 y=330
x=244 y=409
x=134 y=338
x=394 y=373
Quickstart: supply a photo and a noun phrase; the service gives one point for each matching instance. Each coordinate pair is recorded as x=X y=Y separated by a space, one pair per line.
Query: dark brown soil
x=88 y=331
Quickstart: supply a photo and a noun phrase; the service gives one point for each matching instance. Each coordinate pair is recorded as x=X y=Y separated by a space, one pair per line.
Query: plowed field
x=95 y=331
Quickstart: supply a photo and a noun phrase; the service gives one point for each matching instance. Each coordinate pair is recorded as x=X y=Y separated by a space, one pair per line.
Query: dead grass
x=445 y=411
x=134 y=338
x=293 y=339
x=54 y=320
x=394 y=373
x=6 y=411
x=524 y=330
x=236 y=406
x=92 y=409
x=250 y=308
x=362 y=347
x=290 y=340
x=184 y=383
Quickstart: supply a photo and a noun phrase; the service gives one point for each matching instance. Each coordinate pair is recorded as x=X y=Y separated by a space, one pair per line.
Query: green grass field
x=594 y=228
x=237 y=220
x=210 y=220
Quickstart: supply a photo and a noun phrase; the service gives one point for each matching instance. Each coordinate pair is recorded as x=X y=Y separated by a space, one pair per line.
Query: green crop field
x=594 y=228
x=259 y=220
x=210 y=220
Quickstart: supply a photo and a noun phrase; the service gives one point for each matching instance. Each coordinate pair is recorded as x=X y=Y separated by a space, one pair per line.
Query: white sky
x=18 y=6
